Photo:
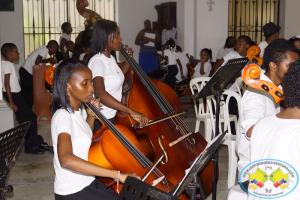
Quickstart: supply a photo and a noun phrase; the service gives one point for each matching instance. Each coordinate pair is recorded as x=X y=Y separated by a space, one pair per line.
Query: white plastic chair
x=224 y=124
x=241 y=85
x=202 y=114
x=236 y=193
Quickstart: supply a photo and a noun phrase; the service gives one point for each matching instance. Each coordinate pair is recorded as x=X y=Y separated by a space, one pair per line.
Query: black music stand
x=134 y=189
x=215 y=86
x=190 y=182
x=10 y=141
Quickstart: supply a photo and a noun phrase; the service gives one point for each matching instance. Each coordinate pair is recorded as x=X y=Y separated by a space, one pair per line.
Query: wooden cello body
x=137 y=97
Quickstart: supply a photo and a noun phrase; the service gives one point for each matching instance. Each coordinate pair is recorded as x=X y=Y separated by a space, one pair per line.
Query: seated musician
x=202 y=69
x=257 y=104
x=278 y=135
x=108 y=77
x=72 y=137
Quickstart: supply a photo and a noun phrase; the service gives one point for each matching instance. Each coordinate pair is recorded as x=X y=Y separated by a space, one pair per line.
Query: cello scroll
x=250 y=74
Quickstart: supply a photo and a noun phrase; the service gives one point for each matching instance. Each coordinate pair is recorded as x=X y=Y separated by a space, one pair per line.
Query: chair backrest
x=241 y=85
x=196 y=85
x=224 y=110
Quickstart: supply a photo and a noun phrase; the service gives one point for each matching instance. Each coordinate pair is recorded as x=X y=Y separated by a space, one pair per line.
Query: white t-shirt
x=262 y=45
x=113 y=79
x=276 y=138
x=65 y=36
x=67 y=181
x=81 y=56
x=229 y=56
x=172 y=56
x=167 y=34
x=223 y=51
x=184 y=61
x=30 y=61
x=207 y=69
x=255 y=105
x=9 y=68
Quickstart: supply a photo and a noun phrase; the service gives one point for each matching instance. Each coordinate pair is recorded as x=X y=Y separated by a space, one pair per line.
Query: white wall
x=212 y=26
x=289 y=12
x=131 y=14
x=11 y=29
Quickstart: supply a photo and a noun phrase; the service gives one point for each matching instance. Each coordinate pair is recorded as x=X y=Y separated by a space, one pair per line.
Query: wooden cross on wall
x=210 y=3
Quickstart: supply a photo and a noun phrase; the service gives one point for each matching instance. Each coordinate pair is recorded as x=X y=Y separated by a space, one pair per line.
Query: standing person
x=34 y=143
x=257 y=104
x=36 y=57
x=229 y=44
x=64 y=38
x=147 y=60
x=271 y=33
x=72 y=137
x=171 y=60
x=170 y=32
x=108 y=77
x=278 y=135
x=184 y=62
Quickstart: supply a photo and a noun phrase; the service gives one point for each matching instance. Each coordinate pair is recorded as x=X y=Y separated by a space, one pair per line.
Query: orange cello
x=125 y=155
x=252 y=71
x=158 y=101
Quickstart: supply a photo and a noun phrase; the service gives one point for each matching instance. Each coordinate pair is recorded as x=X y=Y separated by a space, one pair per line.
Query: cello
x=181 y=145
x=252 y=71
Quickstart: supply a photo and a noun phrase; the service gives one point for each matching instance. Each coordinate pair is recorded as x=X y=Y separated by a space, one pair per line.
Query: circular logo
x=269 y=178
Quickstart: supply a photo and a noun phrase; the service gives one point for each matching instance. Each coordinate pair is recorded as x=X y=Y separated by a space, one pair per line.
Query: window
x=247 y=17
x=42 y=19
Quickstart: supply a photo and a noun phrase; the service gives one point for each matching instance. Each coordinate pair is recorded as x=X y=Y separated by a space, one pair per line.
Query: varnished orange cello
x=252 y=71
x=158 y=101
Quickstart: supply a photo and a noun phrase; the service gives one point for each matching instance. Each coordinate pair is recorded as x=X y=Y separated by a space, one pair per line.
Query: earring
x=67 y=95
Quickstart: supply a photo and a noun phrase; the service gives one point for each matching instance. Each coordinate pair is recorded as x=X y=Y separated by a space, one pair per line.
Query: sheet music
x=151 y=36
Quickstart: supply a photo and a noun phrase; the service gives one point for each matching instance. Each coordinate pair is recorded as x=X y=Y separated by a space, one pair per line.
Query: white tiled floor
x=32 y=176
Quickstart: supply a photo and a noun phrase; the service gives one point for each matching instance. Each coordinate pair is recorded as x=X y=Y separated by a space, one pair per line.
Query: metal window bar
x=42 y=19
x=247 y=17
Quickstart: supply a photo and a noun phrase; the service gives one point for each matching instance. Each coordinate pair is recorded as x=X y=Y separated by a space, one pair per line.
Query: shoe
x=44 y=146
x=34 y=150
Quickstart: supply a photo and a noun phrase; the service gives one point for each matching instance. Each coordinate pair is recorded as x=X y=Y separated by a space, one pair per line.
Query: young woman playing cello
x=108 y=77
x=71 y=136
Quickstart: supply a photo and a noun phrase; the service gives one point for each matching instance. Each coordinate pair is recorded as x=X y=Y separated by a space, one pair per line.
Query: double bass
x=167 y=132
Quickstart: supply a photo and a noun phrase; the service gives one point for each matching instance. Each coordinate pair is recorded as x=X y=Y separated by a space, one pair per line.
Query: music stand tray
x=222 y=77
x=10 y=141
x=198 y=165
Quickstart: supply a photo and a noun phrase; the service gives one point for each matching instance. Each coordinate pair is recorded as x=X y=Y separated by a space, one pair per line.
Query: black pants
x=98 y=125
x=24 y=114
x=96 y=190
x=26 y=80
x=171 y=77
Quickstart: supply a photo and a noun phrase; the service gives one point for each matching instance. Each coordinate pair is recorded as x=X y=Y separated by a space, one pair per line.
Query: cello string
x=128 y=144
x=161 y=101
x=155 y=93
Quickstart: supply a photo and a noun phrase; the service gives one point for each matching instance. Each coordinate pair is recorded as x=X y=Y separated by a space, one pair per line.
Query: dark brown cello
x=158 y=101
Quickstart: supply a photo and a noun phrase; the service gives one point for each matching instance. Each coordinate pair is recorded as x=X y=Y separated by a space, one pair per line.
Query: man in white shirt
x=169 y=32
x=36 y=57
x=278 y=136
x=256 y=104
x=271 y=32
